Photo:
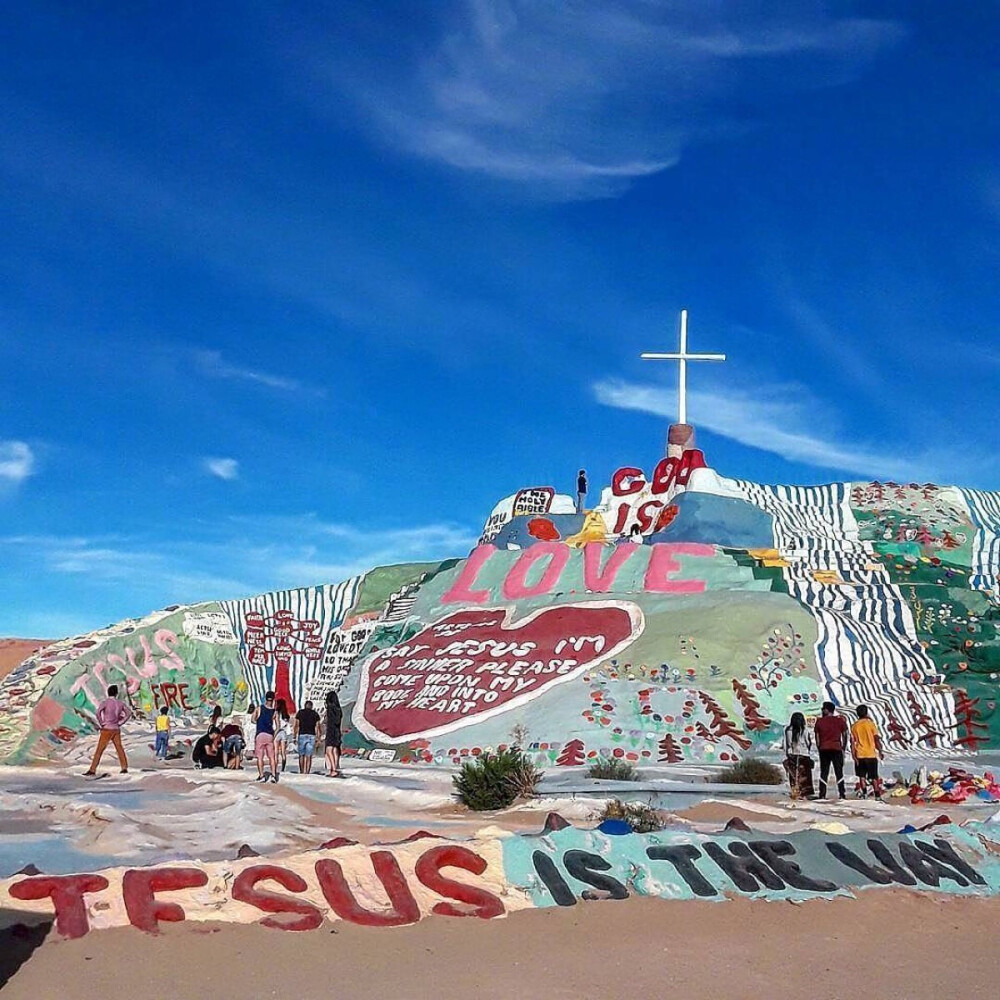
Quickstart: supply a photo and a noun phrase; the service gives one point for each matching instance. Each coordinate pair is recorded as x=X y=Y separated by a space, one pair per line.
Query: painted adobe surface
x=488 y=877
x=681 y=619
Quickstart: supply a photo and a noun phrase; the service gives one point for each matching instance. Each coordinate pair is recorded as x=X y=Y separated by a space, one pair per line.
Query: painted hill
x=682 y=618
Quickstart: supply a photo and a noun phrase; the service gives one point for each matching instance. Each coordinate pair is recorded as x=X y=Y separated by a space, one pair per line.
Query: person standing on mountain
x=831 y=741
x=866 y=749
x=263 y=718
x=332 y=742
x=306 y=721
x=581 y=490
x=111 y=715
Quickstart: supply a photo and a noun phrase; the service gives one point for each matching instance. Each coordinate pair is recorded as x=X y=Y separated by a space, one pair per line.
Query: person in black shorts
x=334 y=719
x=866 y=749
x=831 y=741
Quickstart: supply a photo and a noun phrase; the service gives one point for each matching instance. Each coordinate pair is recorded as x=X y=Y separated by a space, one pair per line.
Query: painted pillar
x=680 y=438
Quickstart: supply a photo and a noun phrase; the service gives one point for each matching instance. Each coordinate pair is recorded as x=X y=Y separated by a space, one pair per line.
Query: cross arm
x=682 y=357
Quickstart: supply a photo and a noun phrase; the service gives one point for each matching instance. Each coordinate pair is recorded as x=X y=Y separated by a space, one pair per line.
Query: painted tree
x=948 y=541
x=922 y=721
x=924 y=537
x=722 y=725
x=897 y=734
x=670 y=752
x=703 y=732
x=968 y=719
x=752 y=717
x=571 y=754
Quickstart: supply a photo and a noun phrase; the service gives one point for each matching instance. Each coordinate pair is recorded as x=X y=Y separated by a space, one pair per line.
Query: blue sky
x=290 y=290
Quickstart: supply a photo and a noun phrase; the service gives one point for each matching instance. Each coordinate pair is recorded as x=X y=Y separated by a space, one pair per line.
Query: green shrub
x=641 y=817
x=613 y=769
x=495 y=780
x=750 y=771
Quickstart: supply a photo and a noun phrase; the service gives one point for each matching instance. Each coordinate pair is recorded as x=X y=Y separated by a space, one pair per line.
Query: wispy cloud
x=17 y=462
x=783 y=420
x=230 y=558
x=333 y=551
x=212 y=365
x=222 y=468
x=180 y=569
x=579 y=99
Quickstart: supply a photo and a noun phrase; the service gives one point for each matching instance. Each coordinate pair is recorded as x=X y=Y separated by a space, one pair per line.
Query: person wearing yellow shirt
x=866 y=749
x=162 y=733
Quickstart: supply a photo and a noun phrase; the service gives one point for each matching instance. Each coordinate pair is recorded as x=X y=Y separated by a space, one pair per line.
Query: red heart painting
x=477 y=663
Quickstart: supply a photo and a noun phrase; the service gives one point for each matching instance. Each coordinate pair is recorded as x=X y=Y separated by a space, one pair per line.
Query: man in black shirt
x=581 y=490
x=207 y=751
x=306 y=721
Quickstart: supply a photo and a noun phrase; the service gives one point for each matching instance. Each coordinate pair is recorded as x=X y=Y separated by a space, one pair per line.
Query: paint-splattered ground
x=60 y=821
x=889 y=945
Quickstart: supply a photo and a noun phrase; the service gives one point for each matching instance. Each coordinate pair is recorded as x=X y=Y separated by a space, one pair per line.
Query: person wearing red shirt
x=831 y=741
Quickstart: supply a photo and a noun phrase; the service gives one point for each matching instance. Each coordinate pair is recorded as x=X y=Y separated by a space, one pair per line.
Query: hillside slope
x=682 y=618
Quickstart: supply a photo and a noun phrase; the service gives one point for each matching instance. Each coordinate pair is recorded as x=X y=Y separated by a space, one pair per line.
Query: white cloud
x=222 y=468
x=17 y=462
x=213 y=365
x=329 y=551
x=780 y=419
x=183 y=569
x=579 y=99
x=231 y=558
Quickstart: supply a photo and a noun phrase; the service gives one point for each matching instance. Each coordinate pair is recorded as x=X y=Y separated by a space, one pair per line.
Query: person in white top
x=249 y=731
x=798 y=756
x=283 y=724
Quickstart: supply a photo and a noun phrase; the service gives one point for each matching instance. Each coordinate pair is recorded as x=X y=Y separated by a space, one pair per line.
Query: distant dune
x=13 y=651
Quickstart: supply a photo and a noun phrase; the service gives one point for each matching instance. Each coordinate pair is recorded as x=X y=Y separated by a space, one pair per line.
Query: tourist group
x=263 y=732
x=832 y=738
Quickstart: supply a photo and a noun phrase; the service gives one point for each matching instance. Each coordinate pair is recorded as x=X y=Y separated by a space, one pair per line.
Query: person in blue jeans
x=162 y=734
x=306 y=721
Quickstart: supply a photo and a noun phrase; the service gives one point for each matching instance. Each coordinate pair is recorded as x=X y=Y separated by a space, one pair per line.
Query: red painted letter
x=643 y=515
x=342 y=901
x=66 y=893
x=461 y=590
x=182 y=694
x=627 y=481
x=690 y=460
x=624 y=509
x=246 y=891
x=169 y=692
x=663 y=475
x=428 y=870
x=139 y=886
x=514 y=586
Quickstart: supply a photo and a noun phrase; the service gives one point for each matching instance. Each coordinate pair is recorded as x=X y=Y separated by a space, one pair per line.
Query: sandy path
x=16 y=651
x=886 y=945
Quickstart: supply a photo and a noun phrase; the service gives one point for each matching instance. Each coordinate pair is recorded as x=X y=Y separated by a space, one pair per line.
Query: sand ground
x=15 y=651
x=885 y=945
x=882 y=945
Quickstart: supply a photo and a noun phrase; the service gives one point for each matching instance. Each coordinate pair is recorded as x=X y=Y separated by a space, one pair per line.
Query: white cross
x=683 y=357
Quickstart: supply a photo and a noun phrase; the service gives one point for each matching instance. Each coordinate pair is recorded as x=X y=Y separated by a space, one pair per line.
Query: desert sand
x=15 y=651
x=889 y=945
